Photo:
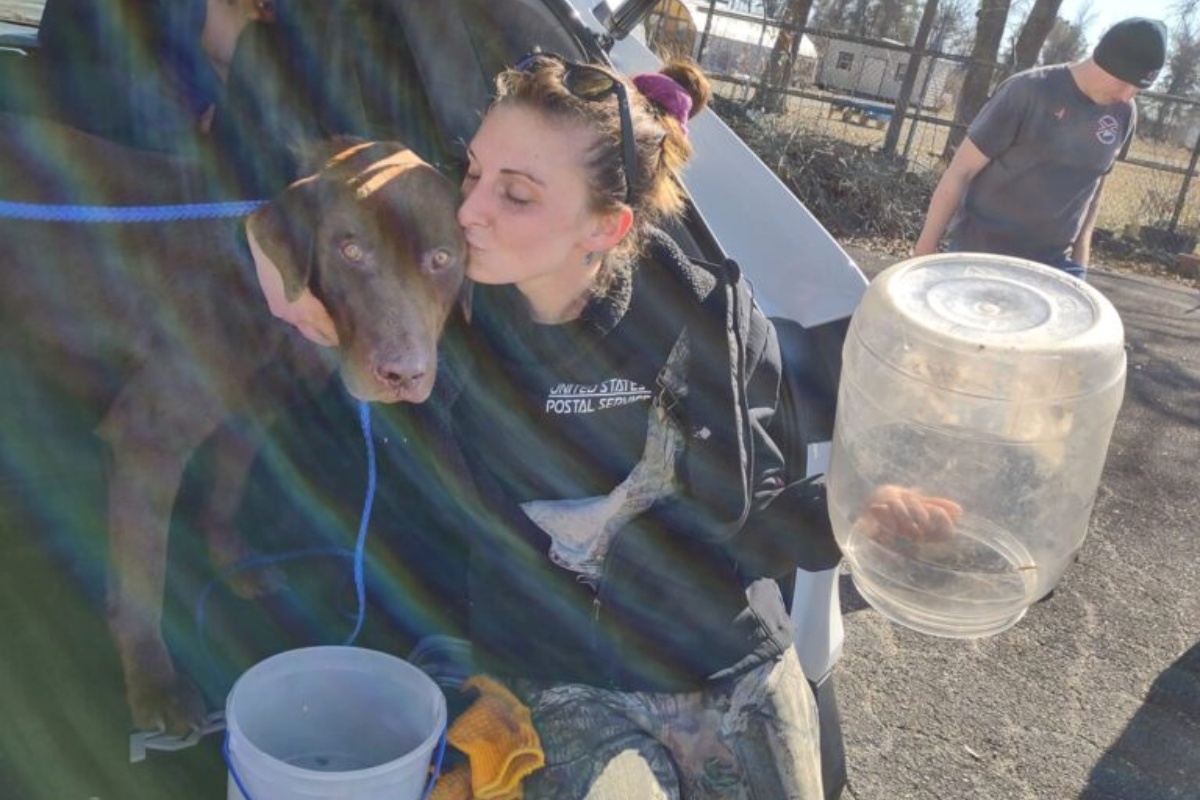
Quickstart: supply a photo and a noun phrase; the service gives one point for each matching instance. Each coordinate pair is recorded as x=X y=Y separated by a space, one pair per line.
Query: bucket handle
x=436 y=772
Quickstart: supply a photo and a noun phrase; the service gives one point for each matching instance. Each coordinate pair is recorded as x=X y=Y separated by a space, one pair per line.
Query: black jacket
x=687 y=594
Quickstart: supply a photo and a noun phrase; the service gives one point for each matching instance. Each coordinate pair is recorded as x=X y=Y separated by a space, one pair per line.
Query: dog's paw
x=247 y=574
x=254 y=582
x=176 y=707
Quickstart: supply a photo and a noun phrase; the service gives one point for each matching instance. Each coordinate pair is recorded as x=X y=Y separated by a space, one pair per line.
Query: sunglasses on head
x=590 y=82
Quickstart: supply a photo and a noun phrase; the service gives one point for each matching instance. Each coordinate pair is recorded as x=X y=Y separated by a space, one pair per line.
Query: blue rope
x=44 y=212
x=364 y=419
x=360 y=583
x=359 y=552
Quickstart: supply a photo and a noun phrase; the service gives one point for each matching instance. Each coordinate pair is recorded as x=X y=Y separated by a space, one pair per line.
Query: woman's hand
x=896 y=512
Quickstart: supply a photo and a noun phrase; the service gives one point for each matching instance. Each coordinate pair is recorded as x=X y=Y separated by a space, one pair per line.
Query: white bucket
x=342 y=722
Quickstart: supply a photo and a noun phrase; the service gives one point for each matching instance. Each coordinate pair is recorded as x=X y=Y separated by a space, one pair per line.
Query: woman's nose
x=470 y=212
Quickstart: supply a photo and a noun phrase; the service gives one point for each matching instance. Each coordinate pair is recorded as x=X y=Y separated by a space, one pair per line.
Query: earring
x=589 y=258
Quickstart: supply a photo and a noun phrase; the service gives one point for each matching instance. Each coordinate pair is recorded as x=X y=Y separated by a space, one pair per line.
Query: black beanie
x=1133 y=51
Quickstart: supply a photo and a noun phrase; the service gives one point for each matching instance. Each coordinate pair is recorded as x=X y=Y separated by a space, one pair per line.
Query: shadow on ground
x=1155 y=756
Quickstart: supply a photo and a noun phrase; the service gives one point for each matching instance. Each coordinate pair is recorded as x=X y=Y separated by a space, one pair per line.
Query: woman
x=615 y=409
x=613 y=415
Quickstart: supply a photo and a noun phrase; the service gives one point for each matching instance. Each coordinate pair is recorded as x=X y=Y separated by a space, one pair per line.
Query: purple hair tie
x=666 y=93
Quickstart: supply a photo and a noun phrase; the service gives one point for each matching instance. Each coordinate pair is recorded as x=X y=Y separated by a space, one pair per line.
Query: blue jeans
x=1062 y=262
x=1068 y=266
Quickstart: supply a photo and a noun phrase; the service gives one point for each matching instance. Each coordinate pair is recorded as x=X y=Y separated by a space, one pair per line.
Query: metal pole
x=1183 y=190
x=892 y=137
x=712 y=5
x=929 y=74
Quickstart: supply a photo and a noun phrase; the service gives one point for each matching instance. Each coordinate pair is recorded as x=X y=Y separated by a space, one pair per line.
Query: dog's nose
x=401 y=371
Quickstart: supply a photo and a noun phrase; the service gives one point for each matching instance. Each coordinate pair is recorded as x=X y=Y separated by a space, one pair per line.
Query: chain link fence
x=851 y=88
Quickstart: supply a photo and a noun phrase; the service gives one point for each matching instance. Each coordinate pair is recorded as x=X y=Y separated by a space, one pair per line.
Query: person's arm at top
x=968 y=161
x=1081 y=251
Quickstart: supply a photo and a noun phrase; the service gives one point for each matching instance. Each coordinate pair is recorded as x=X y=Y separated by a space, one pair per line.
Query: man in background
x=1026 y=180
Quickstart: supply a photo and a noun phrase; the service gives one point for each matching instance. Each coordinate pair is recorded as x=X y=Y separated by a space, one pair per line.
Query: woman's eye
x=352 y=251
x=516 y=200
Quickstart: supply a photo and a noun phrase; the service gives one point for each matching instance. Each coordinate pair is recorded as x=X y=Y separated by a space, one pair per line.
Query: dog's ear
x=284 y=229
x=281 y=239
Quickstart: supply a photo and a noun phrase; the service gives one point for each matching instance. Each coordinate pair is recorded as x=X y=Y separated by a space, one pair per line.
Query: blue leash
x=44 y=212
x=364 y=418
x=359 y=552
x=364 y=421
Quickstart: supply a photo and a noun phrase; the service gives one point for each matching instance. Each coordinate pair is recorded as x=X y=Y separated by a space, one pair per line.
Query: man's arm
x=1081 y=251
x=966 y=164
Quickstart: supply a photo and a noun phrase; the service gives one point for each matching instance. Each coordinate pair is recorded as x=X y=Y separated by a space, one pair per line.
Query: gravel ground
x=873 y=253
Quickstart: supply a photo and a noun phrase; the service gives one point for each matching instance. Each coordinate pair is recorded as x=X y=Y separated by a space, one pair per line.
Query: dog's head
x=366 y=255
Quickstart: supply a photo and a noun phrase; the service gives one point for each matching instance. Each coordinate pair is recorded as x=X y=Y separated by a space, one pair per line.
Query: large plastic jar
x=989 y=381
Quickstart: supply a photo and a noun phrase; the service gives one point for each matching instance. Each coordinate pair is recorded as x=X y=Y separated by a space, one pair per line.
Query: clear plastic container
x=992 y=382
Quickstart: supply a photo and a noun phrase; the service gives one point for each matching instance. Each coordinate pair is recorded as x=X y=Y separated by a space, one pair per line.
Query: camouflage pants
x=752 y=738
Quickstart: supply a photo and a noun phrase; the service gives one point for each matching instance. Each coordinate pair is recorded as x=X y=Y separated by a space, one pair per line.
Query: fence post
x=1183 y=190
x=712 y=7
x=892 y=137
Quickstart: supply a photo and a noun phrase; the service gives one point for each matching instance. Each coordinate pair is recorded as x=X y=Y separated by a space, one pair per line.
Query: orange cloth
x=496 y=734
x=453 y=785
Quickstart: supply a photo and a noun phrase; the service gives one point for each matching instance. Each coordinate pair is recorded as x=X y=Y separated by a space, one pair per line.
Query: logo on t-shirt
x=1107 y=129
x=574 y=398
x=1060 y=114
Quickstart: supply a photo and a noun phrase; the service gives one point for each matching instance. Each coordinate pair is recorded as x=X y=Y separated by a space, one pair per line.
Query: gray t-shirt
x=1049 y=146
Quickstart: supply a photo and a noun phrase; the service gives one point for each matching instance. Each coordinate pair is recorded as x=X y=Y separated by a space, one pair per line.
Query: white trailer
x=869 y=70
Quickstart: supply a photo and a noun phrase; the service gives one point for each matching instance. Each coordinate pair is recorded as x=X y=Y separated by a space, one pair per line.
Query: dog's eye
x=352 y=251
x=439 y=259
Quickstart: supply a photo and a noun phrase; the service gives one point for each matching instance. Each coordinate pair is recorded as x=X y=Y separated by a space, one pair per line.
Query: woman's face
x=525 y=207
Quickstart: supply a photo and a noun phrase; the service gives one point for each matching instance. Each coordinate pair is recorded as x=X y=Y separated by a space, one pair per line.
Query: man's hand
x=895 y=512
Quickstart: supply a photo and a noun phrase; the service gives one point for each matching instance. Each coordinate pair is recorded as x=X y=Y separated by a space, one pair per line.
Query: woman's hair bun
x=692 y=79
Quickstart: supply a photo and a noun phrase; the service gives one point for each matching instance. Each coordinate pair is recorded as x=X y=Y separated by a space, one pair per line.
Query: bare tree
x=1034 y=32
x=951 y=29
x=1183 y=66
x=833 y=15
x=895 y=19
x=1065 y=43
x=989 y=31
x=860 y=16
x=1182 y=77
x=1085 y=15
x=778 y=71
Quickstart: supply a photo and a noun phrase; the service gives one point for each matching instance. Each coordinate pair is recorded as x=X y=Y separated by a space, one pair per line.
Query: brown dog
x=163 y=327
